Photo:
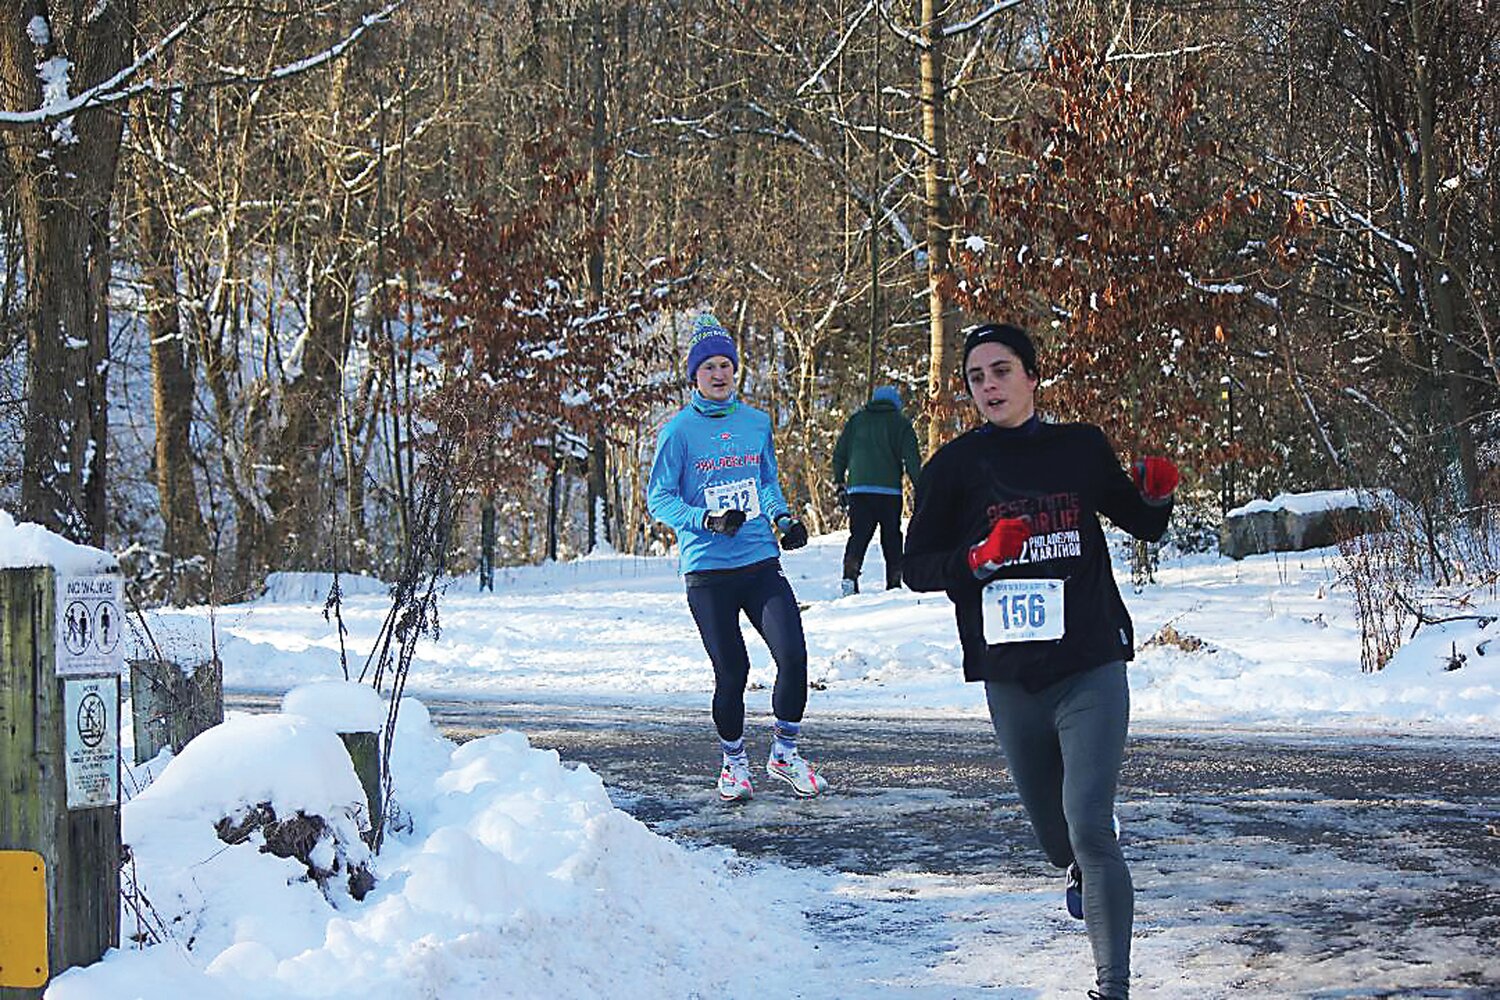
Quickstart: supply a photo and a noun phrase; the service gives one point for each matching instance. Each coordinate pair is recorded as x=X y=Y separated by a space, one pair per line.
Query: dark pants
x=716 y=598
x=1064 y=745
x=866 y=512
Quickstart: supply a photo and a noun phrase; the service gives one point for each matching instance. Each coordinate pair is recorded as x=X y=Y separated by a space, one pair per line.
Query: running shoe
x=734 y=780
x=789 y=766
x=1074 y=892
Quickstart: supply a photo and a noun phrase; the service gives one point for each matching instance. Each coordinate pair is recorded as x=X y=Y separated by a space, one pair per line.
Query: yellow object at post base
x=23 y=919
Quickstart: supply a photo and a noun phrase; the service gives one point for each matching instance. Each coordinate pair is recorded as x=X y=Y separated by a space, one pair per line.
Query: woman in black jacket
x=1006 y=522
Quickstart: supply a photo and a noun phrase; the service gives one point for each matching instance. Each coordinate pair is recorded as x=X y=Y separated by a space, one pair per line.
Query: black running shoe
x=1074 y=892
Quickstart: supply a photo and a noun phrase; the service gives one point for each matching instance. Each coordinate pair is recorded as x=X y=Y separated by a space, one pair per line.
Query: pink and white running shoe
x=734 y=780
x=790 y=767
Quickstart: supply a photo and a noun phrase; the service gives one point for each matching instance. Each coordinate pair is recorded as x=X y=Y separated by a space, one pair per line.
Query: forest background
x=356 y=285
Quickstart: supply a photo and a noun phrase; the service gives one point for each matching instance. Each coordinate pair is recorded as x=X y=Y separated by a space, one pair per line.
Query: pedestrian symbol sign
x=90 y=625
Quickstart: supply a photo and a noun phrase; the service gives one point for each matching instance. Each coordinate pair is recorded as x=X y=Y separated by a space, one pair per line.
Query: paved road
x=1320 y=859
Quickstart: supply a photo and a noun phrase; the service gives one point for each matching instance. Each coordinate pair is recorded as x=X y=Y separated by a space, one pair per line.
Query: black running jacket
x=1060 y=478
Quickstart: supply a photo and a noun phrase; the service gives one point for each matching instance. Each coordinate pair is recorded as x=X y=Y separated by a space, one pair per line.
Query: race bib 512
x=742 y=494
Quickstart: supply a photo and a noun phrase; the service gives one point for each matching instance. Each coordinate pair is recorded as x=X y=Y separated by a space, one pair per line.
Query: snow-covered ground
x=512 y=875
x=1282 y=643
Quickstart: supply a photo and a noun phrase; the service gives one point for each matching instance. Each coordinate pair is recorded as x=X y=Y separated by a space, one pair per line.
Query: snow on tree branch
x=817 y=74
x=119 y=88
x=978 y=20
x=1113 y=56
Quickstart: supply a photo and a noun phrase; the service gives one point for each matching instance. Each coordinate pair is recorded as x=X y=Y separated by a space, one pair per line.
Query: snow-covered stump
x=169 y=705
x=59 y=768
x=364 y=751
x=357 y=715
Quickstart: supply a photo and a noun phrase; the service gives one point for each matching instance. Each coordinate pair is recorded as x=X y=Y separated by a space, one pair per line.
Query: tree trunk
x=172 y=387
x=599 y=179
x=1440 y=284
x=298 y=449
x=487 y=542
x=301 y=451
x=938 y=210
x=64 y=175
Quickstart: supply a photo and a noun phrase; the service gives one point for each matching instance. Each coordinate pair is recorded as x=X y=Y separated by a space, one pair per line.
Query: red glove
x=1156 y=478
x=1006 y=539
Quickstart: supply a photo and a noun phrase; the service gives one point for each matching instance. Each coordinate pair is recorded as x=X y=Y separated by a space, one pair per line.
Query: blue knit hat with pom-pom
x=709 y=338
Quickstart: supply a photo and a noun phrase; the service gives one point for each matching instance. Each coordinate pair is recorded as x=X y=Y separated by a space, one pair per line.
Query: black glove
x=727 y=522
x=793 y=532
x=841 y=497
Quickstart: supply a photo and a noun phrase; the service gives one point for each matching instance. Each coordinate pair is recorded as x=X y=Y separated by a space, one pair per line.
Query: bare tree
x=64 y=175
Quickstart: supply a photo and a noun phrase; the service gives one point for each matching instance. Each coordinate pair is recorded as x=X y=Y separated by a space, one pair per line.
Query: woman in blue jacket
x=713 y=482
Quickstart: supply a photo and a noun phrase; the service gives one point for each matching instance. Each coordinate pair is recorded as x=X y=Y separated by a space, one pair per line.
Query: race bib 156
x=1023 y=610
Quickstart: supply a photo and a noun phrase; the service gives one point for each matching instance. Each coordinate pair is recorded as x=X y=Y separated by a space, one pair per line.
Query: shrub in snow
x=312 y=840
x=156 y=577
x=1194 y=526
x=1167 y=635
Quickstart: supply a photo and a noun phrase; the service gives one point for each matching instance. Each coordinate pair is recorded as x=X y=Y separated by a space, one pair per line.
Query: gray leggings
x=1064 y=745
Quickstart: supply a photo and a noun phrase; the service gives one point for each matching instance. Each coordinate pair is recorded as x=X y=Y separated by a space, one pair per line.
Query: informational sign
x=91 y=741
x=90 y=624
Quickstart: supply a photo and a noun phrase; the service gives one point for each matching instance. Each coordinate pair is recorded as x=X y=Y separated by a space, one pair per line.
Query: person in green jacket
x=876 y=445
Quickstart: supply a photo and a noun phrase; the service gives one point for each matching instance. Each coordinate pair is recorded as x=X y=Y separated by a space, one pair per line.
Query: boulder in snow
x=1294 y=522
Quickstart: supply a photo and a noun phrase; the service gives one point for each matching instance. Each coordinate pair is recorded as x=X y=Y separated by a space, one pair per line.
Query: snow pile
x=510 y=875
x=337 y=705
x=25 y=545
x=282 y=588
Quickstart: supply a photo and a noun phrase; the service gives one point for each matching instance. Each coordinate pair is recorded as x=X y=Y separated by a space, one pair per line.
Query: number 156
x=1022 y=610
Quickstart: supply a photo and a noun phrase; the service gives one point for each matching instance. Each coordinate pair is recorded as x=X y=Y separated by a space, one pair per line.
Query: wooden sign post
x=61 y=646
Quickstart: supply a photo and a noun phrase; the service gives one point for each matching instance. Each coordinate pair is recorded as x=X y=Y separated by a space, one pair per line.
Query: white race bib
x=742 y=494
x=1022 y=610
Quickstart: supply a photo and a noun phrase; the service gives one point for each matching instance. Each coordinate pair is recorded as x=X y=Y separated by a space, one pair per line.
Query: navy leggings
x=716 y=598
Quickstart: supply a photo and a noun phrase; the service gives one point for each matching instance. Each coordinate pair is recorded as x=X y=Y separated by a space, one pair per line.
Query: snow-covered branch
x=1113 y=56
x=885 y=133
x=1368 y=225
x=1394 y=424
x=817 y=74
x=905 y=34
x=108 y=91
x=119 y=88
x=978 y=20
x=920 y=41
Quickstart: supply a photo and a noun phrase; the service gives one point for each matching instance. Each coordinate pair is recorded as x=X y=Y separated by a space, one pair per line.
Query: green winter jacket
x=876 y=444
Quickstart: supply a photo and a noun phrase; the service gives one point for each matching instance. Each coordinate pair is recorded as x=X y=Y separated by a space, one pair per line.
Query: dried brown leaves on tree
x=528 y=357
x=1110 y=230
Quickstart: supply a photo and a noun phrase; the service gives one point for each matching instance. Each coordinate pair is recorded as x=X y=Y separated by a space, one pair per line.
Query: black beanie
x=1014 y=337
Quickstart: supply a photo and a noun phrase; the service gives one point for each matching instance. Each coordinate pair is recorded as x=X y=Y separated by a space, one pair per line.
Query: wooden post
x=56 y=736
x=169 y=707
